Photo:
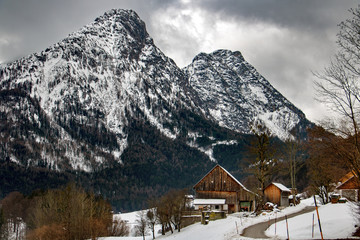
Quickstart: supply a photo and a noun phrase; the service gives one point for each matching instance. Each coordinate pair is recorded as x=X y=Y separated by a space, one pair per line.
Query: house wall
x=273 y=194
x=285 y=199
x=350 y=188
x=350 y=194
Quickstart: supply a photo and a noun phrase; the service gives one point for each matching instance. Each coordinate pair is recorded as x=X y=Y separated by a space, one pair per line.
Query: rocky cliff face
x=91 y=84
x=107 y=99
x=232 y=93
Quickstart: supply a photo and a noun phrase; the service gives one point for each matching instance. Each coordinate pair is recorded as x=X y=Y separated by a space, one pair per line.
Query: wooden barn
x=277 y=194
x=348 y=187
x=220 y=184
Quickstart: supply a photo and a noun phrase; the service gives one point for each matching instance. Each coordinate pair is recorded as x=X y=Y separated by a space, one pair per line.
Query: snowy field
x=337 y=221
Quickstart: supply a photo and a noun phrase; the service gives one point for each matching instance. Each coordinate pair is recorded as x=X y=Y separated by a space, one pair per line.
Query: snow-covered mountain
x=235 y=95
x=106 y=97
x=108 y=72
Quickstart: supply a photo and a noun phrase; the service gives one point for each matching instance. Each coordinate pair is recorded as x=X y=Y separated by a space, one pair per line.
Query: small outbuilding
x=278 y=194
x=348 y=187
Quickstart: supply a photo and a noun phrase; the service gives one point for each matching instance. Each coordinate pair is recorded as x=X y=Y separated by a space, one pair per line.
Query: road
x=258 y=230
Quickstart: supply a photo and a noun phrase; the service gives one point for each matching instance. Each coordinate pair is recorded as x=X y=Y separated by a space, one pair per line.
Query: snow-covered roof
x=281 y=187
x=214 y=201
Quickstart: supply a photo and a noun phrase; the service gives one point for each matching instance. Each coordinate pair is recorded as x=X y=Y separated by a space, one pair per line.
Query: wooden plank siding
x=351 y=183
x=217 y=180
x=279 y=196
x=349 y=187
x=273 y=194
x=220 y=184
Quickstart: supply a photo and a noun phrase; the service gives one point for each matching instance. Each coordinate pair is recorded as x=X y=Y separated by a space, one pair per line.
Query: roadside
x=258 y=230
x=338 y=222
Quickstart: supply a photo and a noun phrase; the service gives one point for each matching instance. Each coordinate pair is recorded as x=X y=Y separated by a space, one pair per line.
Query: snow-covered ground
x=337 y=221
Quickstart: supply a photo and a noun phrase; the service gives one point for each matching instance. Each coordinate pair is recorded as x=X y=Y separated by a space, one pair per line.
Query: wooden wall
x=217 y=180
x=273 y=194
x=351 y=184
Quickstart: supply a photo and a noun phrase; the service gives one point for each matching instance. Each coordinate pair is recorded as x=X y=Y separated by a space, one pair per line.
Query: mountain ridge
x=107 y=99
x=250 y=96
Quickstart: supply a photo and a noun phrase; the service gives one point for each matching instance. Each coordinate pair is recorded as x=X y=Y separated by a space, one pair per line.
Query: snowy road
x=258 y=230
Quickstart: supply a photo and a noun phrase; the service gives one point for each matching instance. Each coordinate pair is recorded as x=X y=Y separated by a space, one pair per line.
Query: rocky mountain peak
x=93 y=85
x=101 y=78
x=107 y=105
x=235 y=95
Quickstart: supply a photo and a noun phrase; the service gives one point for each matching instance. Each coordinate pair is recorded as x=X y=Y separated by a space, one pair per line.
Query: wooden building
x=348 y=187
x=277 y=194
x=220 y=184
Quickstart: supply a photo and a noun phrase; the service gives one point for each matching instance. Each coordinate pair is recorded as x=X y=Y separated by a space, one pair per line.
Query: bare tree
x=3 y=225
x=169 y=210
x=119 y=228
x=292 y=154
x=71 y=213
x=262 y=161
x=151 y=220
x=178 y=202
x=338 y=86
x=325 y=163
x=161 y=213
x=14 y=211
x=141 y=224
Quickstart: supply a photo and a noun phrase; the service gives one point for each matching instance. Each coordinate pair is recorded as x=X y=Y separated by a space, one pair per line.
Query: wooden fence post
x=317 y=212
x=312 y=227
x=287 y=227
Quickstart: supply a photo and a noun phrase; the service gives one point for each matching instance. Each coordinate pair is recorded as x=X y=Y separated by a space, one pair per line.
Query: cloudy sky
x=285 y=40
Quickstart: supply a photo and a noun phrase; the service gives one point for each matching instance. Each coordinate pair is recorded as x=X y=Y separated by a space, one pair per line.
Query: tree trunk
x=169 y=224
x=153 y=230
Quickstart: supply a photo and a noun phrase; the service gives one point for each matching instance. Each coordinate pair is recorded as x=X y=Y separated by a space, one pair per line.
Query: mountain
x=106 y=108
x=232 y=93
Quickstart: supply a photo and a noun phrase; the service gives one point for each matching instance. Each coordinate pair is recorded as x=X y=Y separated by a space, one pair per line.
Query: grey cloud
x=28 y=26
x=297 y=13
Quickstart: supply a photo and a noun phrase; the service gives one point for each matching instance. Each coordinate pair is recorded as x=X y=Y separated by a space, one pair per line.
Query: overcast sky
x=285 y=40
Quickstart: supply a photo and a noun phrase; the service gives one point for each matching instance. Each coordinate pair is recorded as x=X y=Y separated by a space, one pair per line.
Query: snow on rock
x=109 y=73
x=106 y=74
x=235 y=95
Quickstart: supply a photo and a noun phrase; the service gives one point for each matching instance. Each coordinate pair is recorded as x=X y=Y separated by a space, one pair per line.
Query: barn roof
x=230 y=175
x=345 y=179
x=281 y=187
